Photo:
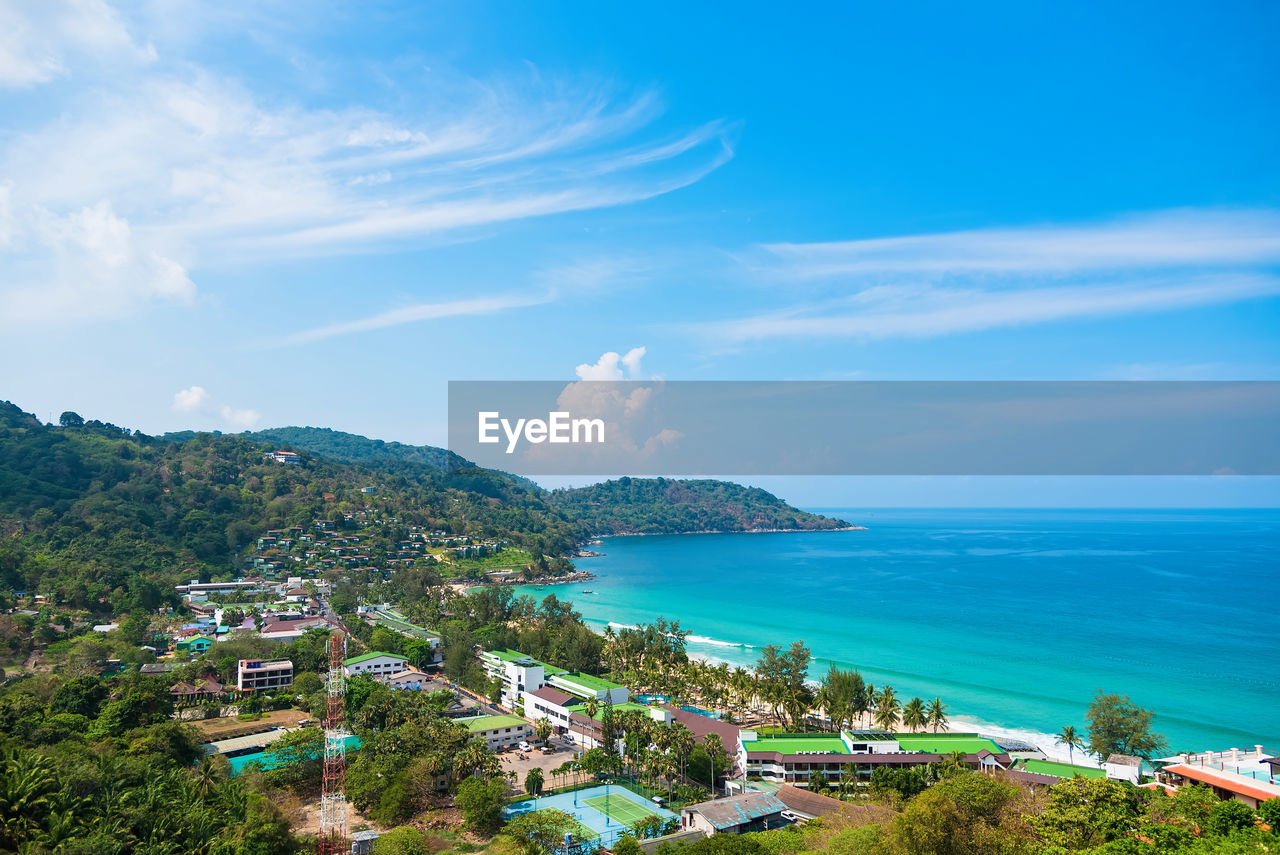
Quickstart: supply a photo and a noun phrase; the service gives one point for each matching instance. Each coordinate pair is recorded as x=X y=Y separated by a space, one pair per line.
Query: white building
x=254 y=675
x=587 y=686
x=378 y=665
x=499 y=731
x=517 y=672
x=1122 y=767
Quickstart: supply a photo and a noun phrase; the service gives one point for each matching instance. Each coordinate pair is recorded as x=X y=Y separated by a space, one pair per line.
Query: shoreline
x=730 y=531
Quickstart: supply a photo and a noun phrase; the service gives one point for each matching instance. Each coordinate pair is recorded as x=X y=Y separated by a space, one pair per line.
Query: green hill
x=109 y=519
x=663 y=506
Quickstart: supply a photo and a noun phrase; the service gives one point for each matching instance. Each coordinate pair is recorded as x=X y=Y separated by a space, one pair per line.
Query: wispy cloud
x=39 y=38
x=1179 y=238
x=200 y=169
x=417 y=313
x=929 y=285
x=924 y=312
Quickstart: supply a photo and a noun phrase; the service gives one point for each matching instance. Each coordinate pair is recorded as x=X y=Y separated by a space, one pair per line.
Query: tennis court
x=620 y=810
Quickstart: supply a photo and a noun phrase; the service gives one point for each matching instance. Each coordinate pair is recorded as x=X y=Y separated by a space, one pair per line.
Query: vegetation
x=665 y=506
x=1118 y=726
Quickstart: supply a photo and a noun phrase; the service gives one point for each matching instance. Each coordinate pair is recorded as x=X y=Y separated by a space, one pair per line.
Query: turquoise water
x=1013 y=617
x=239 y=763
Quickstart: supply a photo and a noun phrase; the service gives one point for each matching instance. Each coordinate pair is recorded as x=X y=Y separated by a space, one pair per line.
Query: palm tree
x=1070 y=738
x=542 y=729
x=887 y=706
x=913 y=715
x=533 y=782
x=937 y=714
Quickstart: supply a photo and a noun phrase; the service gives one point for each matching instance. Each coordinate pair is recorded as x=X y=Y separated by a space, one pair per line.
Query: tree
x=533 y=782
x=913 y=715
x=1083 y=813
x=937 y=714
x=1070 y=738
x=403 y=840
x=540 y=830
x=1231 y=816
x=886 y=708
x=1118 y=726
x=542 y=729
x=481 y=803
x=307 y=683
x=70 y=419
x=627 y=845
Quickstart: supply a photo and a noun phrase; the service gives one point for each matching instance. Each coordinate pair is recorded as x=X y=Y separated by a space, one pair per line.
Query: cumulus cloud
x=612 y=366
x=197 y=400
x=89 y=263
x=193 y=399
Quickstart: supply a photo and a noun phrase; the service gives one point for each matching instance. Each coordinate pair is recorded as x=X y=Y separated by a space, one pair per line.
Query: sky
x=242 y=215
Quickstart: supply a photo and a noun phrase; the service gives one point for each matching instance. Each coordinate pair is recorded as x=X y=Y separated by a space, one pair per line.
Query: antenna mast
x=333 y=796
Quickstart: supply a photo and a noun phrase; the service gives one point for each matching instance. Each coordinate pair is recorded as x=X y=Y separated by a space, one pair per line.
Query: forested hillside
x=663 y=505
x=95 y=513
x=109 y=519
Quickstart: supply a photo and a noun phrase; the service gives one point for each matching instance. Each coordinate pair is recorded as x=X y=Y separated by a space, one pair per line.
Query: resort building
x=804 y=805
x=1246 y=776
x=735 y=814
x=1122 y=767
x=254 y=675
x=517 y=672
x=498 y=731
x=793 y=758
x=551 y=704
x=378 y=665
x=586 y=686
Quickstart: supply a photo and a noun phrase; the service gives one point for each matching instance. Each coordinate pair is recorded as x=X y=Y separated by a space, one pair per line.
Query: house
x=498 y=731
x=290 y=457
x=378 y=665
x=735 y=815
x=1122 y=767
x=203 y=689
x=255 y=675
x=195 y=645
x=289 y=630
x=157 y=668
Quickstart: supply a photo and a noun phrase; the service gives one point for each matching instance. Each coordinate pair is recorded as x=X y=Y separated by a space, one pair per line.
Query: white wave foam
x=715 y=642
x=1046 y=742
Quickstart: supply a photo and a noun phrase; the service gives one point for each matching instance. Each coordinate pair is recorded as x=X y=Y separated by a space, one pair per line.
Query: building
x=254 y=675
x=517 y=672
x=1246 y=776
x=201 y=690
x=378 y=665
x=413 y=680
x=498 y=731
x=735 y=815
x=1122 y=767
x=703 y=726
x=804 y=805
x=586 y=686
x=792 y=758
x=290 y=457
x=279 y=629
x=551 y=704
x=195 y=645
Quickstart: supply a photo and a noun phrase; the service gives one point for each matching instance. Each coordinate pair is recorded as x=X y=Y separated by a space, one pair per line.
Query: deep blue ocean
x=1013 y=617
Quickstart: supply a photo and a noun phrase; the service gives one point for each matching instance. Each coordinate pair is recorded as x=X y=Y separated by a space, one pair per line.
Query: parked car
x=524 y=746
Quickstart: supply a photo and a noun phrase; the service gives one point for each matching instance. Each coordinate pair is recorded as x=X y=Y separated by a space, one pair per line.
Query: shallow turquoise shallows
x=1014 y=618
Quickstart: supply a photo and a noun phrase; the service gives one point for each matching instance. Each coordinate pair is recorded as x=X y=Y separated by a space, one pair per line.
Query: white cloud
x=920 y=286
x=240 y=418
x=202 y=169
x=86 y=264
x=417 y=313
x=38 y=38
x=611 y=365
x=922 y=312
x=197 y=400
x=1166 y=239
x=193 y=399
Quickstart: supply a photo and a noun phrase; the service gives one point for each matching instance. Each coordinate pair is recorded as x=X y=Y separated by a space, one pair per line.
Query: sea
x=1015 y=618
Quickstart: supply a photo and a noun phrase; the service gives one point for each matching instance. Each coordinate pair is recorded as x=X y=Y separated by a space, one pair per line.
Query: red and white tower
x=333 y=795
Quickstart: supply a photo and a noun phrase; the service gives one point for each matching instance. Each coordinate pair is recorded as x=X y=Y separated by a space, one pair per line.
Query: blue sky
x=302 y=213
